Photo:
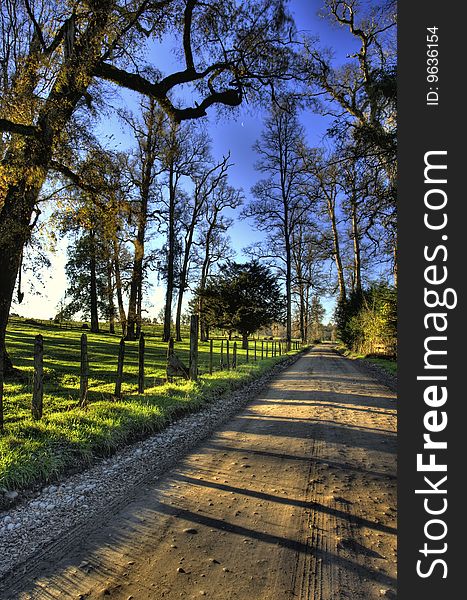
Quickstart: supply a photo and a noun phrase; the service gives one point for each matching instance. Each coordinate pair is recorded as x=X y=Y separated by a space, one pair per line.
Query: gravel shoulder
x=293 y=497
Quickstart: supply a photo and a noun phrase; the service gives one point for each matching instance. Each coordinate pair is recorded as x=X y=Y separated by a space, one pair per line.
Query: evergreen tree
x=245 y=297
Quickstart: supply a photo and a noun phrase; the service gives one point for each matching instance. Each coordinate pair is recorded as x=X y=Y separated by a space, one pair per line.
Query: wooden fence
x=226 y=359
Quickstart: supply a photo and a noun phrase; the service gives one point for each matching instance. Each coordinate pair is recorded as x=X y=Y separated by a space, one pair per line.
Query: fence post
x=193 y=369
x=222 y=355
x=267 y=348
x=255 y=350
x=141 y=348
x=234 y=356
x=84 y=371
x=210 y=356
x=280 y=348
x=38 y=383
x=121 y=357
x=262 y=349
x=227 y=351
x=247 y=351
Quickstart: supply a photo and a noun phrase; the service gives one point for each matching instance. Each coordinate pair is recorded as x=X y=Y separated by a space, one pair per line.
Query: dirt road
x=293 y=498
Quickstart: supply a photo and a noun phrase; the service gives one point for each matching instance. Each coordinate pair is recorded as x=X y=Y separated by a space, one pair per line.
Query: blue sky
x=237 y=134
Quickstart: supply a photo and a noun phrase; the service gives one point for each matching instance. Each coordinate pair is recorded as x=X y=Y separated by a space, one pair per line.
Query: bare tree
x=143 y=169
x=213 y=245
x=361 y=94
x=280 y=203
x=206 y=178
x=310 y=251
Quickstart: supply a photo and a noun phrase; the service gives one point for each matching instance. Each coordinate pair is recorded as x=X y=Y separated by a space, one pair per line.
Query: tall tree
x=316 y=315
x=325 y=171
x=206 y=178
x=143 y=170
x=183 y=152
x=361 y=94
x=280 y=203
x=87 y=273
x=310 y=250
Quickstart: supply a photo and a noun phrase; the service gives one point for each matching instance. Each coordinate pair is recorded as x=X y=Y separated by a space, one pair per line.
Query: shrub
x=367 y=322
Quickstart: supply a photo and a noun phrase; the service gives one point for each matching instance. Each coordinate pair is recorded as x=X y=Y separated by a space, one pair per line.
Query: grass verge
x=387 y=364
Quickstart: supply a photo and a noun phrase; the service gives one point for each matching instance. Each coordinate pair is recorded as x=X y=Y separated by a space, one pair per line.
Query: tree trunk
x=288 y=291
x=244 y=341
x=394 y=270
x=178 y=315
x=337 y=252
x=16 y=210
x=118 y=286
x=139 y=310
x=302 y=311
x=93 y=285
x=356 y=248
x=204 y=329
x=136 y=281
x=183 y=283
x=307 y=313
x=170 y=257
x=110 y=300
x=8 y=368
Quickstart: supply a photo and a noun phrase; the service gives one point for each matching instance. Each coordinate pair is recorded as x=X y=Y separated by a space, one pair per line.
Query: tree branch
x=37 y=27
x=72 y=176
x=158 y=91
x=187 y=34
x=19 y=128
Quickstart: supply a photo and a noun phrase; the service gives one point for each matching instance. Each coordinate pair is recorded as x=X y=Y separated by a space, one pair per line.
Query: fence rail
x=216 y=354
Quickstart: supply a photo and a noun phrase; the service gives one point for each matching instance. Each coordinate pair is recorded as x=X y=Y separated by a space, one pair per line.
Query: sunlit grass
x=69 y=437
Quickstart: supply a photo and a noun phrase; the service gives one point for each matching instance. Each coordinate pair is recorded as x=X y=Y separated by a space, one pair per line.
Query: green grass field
x=68 y=437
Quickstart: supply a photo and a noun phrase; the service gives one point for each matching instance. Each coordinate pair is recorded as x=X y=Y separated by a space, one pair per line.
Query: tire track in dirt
x=292 y=498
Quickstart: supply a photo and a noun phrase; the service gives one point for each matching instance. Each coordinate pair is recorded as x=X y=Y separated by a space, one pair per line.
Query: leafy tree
x=368 y=321
x=87 y=275
x=244 y=297
x=90 y=209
